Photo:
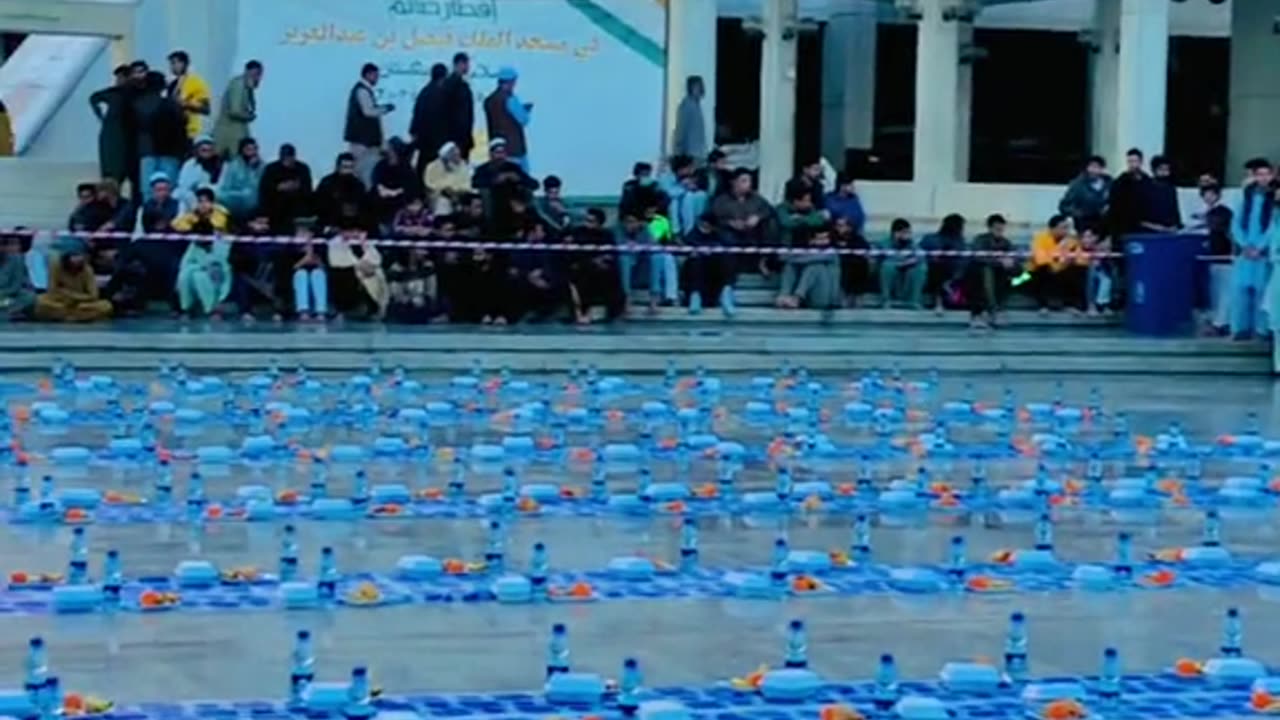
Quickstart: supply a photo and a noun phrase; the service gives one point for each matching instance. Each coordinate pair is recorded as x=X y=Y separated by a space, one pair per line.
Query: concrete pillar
x=1255 y=95
x=1141 y=77
x=964 y=101
x=777 y=97
x=849 y=80
x=1104 y=67
x=691 y=50
x=937 y=95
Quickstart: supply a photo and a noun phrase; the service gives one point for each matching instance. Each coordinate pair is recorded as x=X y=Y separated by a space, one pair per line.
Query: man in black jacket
x=284 y=193
x=1128 y=197
x=429 y=125
x=161 y=139
x=459 y=106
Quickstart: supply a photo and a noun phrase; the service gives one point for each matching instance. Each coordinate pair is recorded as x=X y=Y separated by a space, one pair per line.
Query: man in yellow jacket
x=1058 y=266
x=191 y=92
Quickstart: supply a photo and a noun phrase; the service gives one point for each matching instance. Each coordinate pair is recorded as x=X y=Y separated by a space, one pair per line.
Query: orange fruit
x=1186 y=667
x=19 y=578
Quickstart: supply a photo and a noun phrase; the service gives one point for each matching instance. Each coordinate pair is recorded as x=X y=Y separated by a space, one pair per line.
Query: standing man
x=1128 y=198
x=238 y=110
x=160 y=136
x=363 y=130
x=428 y=126
x=191 y=93
x=1254 y=226
x=1085 y=201
x=460 y=106
x=110 y=106
x=690 y=135
x=507 y=117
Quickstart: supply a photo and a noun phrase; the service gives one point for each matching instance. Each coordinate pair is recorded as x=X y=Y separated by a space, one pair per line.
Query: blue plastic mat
x=699 y=584
x=1162 y=696
x=1018 y=504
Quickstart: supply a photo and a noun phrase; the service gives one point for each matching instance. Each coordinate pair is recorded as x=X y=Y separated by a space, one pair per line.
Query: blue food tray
x=704 y=583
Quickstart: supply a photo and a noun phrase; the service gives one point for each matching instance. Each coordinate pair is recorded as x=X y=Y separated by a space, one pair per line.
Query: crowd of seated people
x=320 y=259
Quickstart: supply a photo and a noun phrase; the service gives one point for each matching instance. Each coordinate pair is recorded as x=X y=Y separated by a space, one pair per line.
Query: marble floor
x=190 y=656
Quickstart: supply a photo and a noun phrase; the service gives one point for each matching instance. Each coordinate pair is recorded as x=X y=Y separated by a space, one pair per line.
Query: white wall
x=206 y=29
x=72 y=134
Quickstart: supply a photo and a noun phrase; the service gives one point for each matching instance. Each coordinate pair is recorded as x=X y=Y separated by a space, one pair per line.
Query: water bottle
x=457 y=479
x=195 y=494
x=599 y=483
x=783 y=485
x=360 y=489
x=476 y=368
x=1124 y=556
x=629 y=687
x=1232 y=634
x=303 y=672
x=495 y=546
x=319 y=480
x=510 y=488
x=22 y=486
x=725 y=479
x=1095 y=401
x=861 y=550
x=51 y=702
x=644 y=483
x=1015 y=648
x=1044 y=533
x=289 y=554
x=359 y=699
x=1093 y=470
x=866 y=486
x=797 y=649
x=922 y=480
x=1252 y=427
x=978 y=487
x=328 y=582
x=887 y=692
x=78 y=568
x=778 y=566
x=1040 y=485
x=558 y=650
x=147 y=436
x=1195 y=469
x=1212 y=529
x=538 y=568
x=46 y=489
x=37 y=670
x=1109 y=677
x=956 y=561
x=1121 y=427
x=669 y=375
x=163 y=488
x=688 y=544
x=112 y=577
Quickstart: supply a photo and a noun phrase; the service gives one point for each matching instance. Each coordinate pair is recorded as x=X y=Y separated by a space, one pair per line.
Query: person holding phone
x=363 y=130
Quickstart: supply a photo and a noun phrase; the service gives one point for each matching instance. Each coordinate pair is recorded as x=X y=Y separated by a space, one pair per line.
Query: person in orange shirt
x=191 y=92
x=1058 y=266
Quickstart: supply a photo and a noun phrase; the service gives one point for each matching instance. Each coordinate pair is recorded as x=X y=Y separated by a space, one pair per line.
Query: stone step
x=638 y=348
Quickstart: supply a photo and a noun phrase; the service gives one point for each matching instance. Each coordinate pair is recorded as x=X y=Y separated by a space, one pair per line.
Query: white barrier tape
x=464 y=244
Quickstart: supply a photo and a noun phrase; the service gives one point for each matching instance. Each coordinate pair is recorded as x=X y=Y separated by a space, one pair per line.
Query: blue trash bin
x=1161 y=272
